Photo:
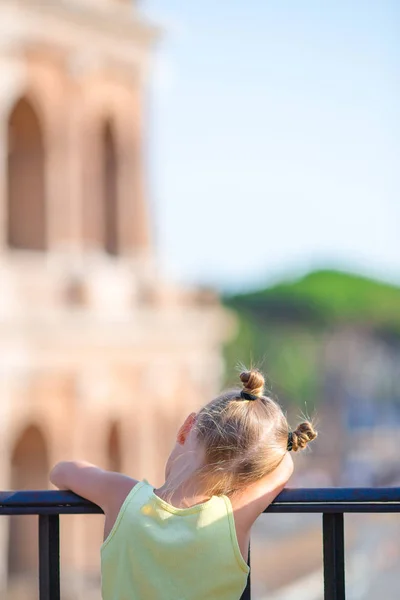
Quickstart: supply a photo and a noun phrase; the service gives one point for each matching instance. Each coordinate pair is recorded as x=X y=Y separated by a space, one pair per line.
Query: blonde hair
x=245 y=439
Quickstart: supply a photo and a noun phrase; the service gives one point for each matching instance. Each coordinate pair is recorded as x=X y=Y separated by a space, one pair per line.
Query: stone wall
x=101 y=358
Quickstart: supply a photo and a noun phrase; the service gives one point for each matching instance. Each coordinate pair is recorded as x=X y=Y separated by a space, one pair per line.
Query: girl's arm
x=104 y=488
x=252 y=501
x=249 y=504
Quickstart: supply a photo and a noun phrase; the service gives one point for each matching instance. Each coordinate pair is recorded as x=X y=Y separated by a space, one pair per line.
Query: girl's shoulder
x=119 y=488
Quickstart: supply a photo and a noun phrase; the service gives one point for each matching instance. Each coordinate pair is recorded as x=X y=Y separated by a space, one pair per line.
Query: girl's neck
x=182 y=487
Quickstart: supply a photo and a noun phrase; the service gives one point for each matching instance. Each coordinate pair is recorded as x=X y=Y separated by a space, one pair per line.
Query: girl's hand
x=284 y=471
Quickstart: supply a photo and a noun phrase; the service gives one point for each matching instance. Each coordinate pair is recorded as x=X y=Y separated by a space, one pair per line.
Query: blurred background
x=185 y=186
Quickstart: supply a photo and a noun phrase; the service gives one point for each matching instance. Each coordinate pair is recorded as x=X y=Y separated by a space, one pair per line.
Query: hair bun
x=253 y=382
x=302 y=435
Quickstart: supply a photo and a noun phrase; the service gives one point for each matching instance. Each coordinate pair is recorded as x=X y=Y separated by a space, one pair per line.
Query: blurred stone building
x=100 y=358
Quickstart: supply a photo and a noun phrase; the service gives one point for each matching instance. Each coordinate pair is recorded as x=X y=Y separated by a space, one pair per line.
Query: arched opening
x=29 y=470
x=114 y=449
x=26 y=228
x=110 y=191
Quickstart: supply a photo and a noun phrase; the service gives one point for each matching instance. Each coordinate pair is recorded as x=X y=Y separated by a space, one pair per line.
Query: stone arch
x=114 y=454
x=110 y=208
x=29 y=470
x=26 y=211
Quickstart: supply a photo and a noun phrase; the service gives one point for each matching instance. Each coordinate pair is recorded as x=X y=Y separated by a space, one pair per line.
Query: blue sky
x=274 y=139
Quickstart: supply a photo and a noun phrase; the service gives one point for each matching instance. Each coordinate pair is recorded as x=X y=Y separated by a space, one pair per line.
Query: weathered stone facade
x=100 y=357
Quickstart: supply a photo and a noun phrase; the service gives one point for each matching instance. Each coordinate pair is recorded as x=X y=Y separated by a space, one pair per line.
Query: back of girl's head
x=245 y=436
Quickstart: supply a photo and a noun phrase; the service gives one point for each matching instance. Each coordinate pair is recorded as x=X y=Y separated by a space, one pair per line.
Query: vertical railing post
x=49 y=557
x=333 y=542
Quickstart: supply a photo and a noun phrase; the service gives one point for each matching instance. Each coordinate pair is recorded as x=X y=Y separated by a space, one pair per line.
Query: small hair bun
x=253 y=382
x=302 y=435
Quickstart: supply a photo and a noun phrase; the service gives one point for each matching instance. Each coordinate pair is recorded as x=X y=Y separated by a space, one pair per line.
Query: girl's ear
x=186 y=428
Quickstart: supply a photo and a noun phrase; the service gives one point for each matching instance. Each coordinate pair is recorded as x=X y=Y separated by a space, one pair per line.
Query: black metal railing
x=331 y=502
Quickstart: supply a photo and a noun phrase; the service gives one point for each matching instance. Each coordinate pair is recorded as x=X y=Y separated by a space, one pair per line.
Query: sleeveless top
x=158 y=552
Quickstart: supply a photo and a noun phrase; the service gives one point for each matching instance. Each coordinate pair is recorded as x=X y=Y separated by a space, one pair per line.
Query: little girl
x=189 y=539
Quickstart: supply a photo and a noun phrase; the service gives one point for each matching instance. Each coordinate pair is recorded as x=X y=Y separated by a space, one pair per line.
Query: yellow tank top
x=158 y=552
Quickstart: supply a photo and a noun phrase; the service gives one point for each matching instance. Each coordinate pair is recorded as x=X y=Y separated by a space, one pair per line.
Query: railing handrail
x=293 y=500
x=331 y=502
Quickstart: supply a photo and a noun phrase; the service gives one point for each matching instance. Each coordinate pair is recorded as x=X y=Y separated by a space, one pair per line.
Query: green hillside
x=281 y=328
x=326 y=297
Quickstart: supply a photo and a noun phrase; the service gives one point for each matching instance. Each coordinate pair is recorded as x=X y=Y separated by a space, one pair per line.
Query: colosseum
x=100 y=356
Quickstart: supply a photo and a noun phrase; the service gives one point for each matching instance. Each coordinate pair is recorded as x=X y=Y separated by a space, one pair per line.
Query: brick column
x=56 y=176
x=3 y=183
x=74 y=169
x=13 y=76
x=134 y=213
